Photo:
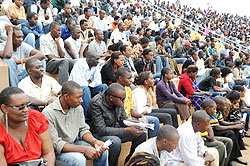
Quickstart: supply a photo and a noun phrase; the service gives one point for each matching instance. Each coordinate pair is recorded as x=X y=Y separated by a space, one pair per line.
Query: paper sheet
x=139 y=124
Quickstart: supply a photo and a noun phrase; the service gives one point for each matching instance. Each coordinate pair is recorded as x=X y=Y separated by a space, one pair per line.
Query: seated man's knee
x=31 y=36
x=74 y=158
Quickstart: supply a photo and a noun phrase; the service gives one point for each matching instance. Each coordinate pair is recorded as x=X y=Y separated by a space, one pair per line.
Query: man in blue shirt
x=31 y=30
x=65 y=28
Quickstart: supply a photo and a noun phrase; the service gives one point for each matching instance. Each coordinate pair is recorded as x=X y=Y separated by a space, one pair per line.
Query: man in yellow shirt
x=16 y=12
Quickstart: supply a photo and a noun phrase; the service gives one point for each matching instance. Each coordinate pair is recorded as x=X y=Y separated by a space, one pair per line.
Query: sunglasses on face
x=20 y=108
x=121 y=98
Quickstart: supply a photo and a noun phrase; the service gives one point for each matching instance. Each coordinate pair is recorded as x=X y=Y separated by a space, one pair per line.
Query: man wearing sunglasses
x=105 y=117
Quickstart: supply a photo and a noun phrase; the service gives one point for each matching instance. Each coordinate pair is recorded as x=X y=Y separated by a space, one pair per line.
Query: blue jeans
x=46 y=29
x=247 y=120
x=158 y=63
x=216 y=93
x=200 y=78
x=106 y=35
x=244 y=82
x=244 y=67
x=14 y=77
x=157 y=77
x=31 y=40
x=80 y=159
x=169 y=49
x=89 y=92
x=180 y=60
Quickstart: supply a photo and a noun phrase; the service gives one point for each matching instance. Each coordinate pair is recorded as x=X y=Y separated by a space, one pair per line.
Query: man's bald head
x=114 y=89
x=167 y=132
x=199 y=116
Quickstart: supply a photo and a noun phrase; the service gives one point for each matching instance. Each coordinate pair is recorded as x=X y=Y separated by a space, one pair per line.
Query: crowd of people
x=117 y=62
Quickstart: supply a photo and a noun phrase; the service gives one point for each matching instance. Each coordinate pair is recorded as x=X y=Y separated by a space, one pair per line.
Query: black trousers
x=237 y=141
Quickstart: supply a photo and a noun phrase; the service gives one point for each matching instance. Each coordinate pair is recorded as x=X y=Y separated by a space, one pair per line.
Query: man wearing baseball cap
x=182 y=53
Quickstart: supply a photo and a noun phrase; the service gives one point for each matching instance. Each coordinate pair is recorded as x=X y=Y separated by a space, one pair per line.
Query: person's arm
x=139 y=102
x=228 y=127
x=8 y=49
x=210 y=135
x=59 y=48
x=68 y=48
x=26 y=30
x=3 y=161
x=34 y=54
x=47 y=148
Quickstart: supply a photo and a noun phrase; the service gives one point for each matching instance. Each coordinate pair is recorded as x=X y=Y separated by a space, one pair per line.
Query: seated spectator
x=105 y=117
x=114 y=24
x=110 y=18
x=209 y=84
x=44 y=14
x=211 y=61
x=142 y=158
x=211 y=50
x=52 y=47
x=98 y=45
x=73 y=45
x=226 y=78
x=130 y=31
x=224 y=145
x=246 y=60
x=128 y=21
x=228 y=129
x=86 y=72
x=144 y=42
x=15 y=53
x=108 y=70
x=124 y=77
x=38 y=86
x=93 y=8
x=238 y=74
x=102 y=25
x=118 y=35
x=221 y=61
x=144 y=100
x=189 y=88
x=201 y=67
x=73 y=142
x=166 y=141
x=190 y=61
x=84 y=36
x=169 y=97
x=191 y=149
x=225 y=50
x=159 y=58
x=24 y=132
x=182 y=53
x=87 y=16
x=230 y=58
x=16 y=12
x=32 y=30
x=139 y=33
x=135 y=50
x=148 y=33
x=128 y=61
x=179 y=41
x=62 y=17
x=66 y=28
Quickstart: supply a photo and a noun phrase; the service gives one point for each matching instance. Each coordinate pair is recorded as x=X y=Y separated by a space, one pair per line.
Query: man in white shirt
x=15 y=53
x=98 y=45
x=102 y=24
x=118 y=35
x=160 y=146
x=191 y=150
x=73 y=45
x=52 y=47
x=86 y=72
x=37 y=86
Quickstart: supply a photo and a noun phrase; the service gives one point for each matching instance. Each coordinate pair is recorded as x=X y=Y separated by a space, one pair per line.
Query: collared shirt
x=48 y=45
x=117 y=36
x=150 y=147
x=14 y=9
x=65 y=32
x=61 y=18
x=135 y=50
x=65 y=128
x=49 y=86
x=75 y=46
x=81 y=74
x=91 y=22
x=22 y=52
x=191 y=147
x=101 y=24
x=26 y=29
x=41 y=14
x=96 y=47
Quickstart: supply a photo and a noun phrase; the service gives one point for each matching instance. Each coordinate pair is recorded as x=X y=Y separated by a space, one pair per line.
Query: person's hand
x=227 y=90
x=57 y=40
x=135 y=130
x=9 y=28
x=48 y=102
x=46 y=16
x=144 y=112
x=14 y=16
x=99 y=146
x=187 y=101
x=239 y=126
x=143 y=119
x=91 y=152
x=242 y=122
x=208 y=157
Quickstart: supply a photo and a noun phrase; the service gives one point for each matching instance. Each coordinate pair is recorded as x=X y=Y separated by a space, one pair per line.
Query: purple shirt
x=163 y=93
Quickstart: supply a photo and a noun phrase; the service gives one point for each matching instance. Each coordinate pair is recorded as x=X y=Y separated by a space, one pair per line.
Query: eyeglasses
x=121 y=98
x=19 y=108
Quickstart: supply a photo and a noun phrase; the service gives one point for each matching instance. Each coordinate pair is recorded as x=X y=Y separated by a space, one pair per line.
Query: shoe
x=232 y=163
x=239 y=160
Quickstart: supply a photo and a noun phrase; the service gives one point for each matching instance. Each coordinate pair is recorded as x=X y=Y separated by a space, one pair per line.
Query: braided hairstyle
x=143 y=159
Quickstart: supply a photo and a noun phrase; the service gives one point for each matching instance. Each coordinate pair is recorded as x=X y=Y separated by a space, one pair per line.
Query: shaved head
x=199 y=116
x=167 y=132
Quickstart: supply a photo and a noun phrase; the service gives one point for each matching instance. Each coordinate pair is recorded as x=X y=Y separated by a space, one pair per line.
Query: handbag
x=38 y=162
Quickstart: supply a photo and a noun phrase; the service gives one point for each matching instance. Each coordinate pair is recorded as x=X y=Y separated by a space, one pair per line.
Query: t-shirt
x=128 y=103
x=214 y=120
x=14 y=152
x=75 y=46
x=21 y=52
x=207 y=83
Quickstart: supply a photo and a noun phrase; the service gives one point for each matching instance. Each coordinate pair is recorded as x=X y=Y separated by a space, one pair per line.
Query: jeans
x=46 y=29
x=180 y=60
x=14 y=77
x=79 y=159
x=169 y=49
x=115 y=148
x=216 y=93
x=200 y=78
x=106 y=35
x=247 y=120
x=244 y=66
x=157 y=77
x=165 y=62
x=158 y=63
x=31 y=40
x=244 y=82
x=89 y=92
